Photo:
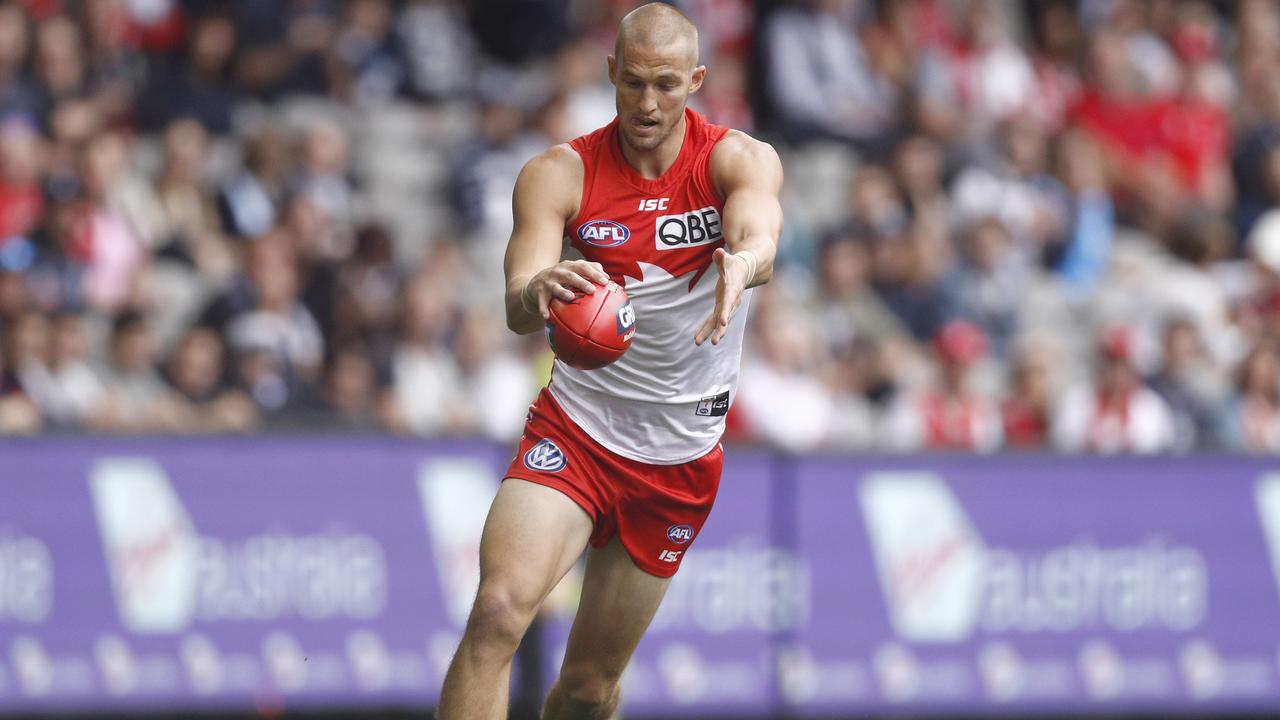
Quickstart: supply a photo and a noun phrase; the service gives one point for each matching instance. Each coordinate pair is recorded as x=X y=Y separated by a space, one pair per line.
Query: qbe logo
x=545 y=457
x=696 y=227
x=680 y=534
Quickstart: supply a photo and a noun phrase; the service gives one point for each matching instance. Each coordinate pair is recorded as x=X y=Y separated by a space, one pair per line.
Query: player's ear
x=699 y=73
x=613 y=69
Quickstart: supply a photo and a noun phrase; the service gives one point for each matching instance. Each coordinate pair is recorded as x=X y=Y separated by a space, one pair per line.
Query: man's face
x=652 y=85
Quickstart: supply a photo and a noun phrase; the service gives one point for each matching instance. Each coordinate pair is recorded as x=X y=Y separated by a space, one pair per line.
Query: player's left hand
x=734 y=276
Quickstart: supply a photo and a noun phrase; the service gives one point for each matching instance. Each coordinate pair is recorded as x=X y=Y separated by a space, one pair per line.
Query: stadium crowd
x=1009 y=225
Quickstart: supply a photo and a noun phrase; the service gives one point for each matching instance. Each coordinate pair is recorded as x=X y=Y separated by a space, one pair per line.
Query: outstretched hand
x=735 y=272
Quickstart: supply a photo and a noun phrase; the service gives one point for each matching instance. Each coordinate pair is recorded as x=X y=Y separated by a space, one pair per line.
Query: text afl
x=604 y=233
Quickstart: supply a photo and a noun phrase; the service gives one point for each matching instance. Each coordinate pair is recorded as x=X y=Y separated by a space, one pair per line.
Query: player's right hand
x=560 y=281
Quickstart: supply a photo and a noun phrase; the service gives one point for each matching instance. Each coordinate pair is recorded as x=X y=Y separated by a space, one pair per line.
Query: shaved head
x=657 y=26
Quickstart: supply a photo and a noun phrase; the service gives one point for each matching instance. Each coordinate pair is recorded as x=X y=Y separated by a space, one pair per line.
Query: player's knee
x=500 y=617
x=590 y=685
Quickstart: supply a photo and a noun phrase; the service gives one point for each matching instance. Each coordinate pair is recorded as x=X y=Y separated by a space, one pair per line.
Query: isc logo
x=603 y=233
x=653 y=204
x=696 y=227
x=670 y=555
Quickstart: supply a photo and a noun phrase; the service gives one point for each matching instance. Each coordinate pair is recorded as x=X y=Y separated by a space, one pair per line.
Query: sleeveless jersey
x=664 y=402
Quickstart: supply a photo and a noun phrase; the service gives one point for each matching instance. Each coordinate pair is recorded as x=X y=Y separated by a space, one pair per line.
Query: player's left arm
x=749 y=175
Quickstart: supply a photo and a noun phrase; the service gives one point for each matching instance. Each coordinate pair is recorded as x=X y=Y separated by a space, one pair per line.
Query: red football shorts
x=655 y=510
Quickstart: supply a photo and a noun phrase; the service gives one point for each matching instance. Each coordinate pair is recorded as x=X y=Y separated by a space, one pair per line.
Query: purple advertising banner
x=338 y=572
x=1023 y=584
x=235 y=573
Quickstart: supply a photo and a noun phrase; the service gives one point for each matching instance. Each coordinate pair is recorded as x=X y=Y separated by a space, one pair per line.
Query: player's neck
x=651 y=164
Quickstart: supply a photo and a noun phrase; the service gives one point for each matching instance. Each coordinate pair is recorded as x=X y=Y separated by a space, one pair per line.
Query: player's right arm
x=547 y=195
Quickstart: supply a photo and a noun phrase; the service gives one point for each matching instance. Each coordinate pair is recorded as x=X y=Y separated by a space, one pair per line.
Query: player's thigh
x=618 y=602
x=531 y=538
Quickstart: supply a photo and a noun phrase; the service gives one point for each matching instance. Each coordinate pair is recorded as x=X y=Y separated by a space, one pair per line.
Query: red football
x=591 y=331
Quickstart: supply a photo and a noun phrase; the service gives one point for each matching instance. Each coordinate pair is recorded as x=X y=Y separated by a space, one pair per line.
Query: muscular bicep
x=545 y=199
x=749 y=175
x=751 y=212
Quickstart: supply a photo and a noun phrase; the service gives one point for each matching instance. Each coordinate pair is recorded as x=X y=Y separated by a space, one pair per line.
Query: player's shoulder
x=556 y=163
x=554 y=176
x=739 y=157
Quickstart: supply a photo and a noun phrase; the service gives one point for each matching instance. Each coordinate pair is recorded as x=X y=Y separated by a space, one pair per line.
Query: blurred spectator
x=1118 y=414
x=63 y=385
x=323 y=172
x=352 y=396
x=518 y=31
x=1027 y=409
x=137 y=397
x=989 y=284
x=197 y=85
x=907 y=273
x=114 y=252
x=17 y=93
x=975 y=79
x=854 y=379
x=494 y=387
x=723 y=97
x=1188 y=384
x=116 y=70
x=26 y=346
x=1058 y=43
x=365 y=65
x=1252 y=418
x=58 y=63
x=196 y=372
x=251 y=200
x=1084 y=254
x=438 y=50
x=423 y=370
x=192 y=230
x=18 y=415
x=819 y=79
x=21 y=202
x=1016 y=188
x=368 y=293
x=271 y=318
x=846 y=306
x=782 y=402
x=283 y=46
x=950 y=414
x=918 y=169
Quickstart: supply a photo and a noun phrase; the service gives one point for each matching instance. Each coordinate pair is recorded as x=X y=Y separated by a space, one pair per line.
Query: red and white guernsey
x=664 y=402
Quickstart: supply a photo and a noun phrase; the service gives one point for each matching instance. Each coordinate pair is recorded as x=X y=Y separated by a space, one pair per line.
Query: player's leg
x=618 y=602
x=533 y=535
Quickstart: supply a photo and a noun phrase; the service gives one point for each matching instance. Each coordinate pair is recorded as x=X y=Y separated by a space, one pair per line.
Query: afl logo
x=603 y=233
x=680 y=534
x=545 y=457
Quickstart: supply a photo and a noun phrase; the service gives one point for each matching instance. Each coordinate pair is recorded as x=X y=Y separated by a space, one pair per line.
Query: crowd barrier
x=323 y=572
